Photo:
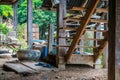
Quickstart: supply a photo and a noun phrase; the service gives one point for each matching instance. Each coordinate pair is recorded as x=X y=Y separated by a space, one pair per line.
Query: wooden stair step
x=84 y=9
x=92 y=6
x=96 y=30
x=74 y=29
x=62 y=45
x=69 y=28
x=81 y=38
x=81 y=59
x=86 y=47
x=91 y=20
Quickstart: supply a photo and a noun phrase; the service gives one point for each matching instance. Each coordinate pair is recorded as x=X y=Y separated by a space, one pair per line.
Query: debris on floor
x=27 y=67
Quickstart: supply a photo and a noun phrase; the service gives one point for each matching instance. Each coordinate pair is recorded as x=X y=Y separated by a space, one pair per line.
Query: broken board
x=25 y=67
x=19 y=68
x=33 y=66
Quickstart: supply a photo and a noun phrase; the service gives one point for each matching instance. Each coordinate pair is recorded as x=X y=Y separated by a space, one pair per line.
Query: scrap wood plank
x=33 y=66
x=80 y=30
x=19 y=68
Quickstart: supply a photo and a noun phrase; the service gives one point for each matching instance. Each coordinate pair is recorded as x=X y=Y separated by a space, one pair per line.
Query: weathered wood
x=80 y=30
x=99 y=21
x=15 y=20
x=100 y=50
x=91 y=20
x=81 y=59
x=81 y=38
x=8 y=2
x=96 y=30
x=32 y=65
x=99 y=10
x=29 y=23
x=50 y=37
x=61 y=13
x=114 y=40
x=19 y=68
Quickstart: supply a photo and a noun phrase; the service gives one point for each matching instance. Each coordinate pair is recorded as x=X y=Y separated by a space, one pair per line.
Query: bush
x=4 y=29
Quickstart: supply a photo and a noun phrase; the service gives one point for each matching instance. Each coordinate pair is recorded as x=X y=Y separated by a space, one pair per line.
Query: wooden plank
x=99 y=10
x=99 y=21
x=86 y=46
x=31 y=65
x=90 y=39
x=68 y=28
x=62 y=45
x=92 y=6
x=81 y=59
x=19 y=68
x=81 y=38
x=91 y=20
x=96 y=30
x=78 y=8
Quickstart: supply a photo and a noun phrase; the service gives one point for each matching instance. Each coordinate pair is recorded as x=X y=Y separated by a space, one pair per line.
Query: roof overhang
x=8 y=2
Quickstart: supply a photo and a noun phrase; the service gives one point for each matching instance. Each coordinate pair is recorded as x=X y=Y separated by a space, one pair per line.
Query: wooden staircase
x=82 y=23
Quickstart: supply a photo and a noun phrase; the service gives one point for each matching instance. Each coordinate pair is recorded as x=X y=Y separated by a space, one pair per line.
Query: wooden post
x=105 y=54
x=29 y=23
x=50 y=37
x=15 y=21
x=114 y=43
x=61 y=13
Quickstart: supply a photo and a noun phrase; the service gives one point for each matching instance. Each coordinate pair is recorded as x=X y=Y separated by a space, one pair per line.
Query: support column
x=15 y=21
x=61 y=13
x=29 y=23
x=50 y=37
x=114 y=40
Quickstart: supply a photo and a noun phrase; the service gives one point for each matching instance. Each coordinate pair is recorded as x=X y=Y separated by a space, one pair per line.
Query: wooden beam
x=101 y=48
x=92 y=6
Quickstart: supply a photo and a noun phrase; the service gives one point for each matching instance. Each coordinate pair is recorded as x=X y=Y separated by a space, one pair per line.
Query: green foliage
x=21 y=36
x=6 y=10
x=21 y=31
x=40 y=17
x=4 y=29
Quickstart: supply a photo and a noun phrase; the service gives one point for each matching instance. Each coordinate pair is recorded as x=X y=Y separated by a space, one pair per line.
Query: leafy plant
x=3 y=29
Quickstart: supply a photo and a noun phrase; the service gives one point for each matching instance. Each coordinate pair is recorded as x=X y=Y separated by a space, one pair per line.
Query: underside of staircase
x=90 y=17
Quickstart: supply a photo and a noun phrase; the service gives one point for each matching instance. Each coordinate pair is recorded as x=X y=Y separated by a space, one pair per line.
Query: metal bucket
x=31 y=55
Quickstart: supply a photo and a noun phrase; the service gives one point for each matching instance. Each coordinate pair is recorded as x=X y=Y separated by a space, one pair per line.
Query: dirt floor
x=72 y=72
